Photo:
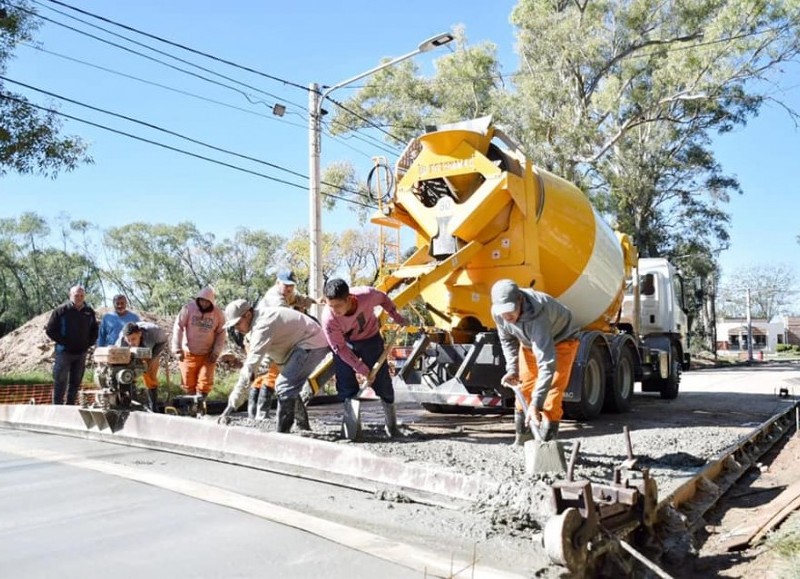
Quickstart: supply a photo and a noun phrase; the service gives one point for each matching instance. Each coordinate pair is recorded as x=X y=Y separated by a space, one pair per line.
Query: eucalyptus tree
x=29 y=135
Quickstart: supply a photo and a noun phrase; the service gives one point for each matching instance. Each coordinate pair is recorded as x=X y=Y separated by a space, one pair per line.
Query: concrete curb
x=333 y=463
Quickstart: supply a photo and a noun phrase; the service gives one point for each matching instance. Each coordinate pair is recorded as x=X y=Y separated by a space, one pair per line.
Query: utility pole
x=749 y=330
x=314 y=197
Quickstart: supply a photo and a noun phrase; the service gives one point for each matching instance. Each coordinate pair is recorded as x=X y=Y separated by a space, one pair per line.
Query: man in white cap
x=291 y=340
x=539 y=343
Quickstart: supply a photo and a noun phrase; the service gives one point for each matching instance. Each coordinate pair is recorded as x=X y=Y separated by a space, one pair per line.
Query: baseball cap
x=505 y=294
x=234 y=312
x=287 y=277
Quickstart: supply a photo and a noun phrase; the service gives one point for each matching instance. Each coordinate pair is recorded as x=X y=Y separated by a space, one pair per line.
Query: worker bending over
x=146 y=335
x=538 y=339
x=284 y=336
x=353 y=332
x=282 y=294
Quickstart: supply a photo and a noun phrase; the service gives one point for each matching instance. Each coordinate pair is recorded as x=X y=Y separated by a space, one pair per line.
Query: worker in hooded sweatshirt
x=198 y=336
x=539 y=343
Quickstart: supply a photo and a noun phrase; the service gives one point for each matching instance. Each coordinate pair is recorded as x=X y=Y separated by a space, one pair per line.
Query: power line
x=157 y=128
x=163 y=86
x=366 y=120
x=151 y=58
x=181 y=46
x=167 y=54
x=182 y=151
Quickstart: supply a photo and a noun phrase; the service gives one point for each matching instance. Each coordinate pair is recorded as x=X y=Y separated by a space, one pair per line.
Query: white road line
x=427 y=562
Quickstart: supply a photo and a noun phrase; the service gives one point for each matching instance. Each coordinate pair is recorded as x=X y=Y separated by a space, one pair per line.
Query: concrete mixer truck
x=481 y=211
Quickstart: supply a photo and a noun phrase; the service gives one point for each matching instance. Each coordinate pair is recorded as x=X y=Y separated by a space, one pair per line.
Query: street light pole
x=315 y=100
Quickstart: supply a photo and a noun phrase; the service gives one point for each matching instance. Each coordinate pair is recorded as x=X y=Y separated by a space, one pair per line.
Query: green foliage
x=21 y=378
x=29 y=137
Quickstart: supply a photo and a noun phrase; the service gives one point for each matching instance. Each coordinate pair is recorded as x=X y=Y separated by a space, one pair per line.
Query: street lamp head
x=435 y=42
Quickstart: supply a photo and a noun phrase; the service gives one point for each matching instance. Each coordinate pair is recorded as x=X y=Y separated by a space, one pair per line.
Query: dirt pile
x=28 y=349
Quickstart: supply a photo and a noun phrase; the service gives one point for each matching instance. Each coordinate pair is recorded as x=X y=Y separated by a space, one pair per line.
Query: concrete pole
x=314 y=196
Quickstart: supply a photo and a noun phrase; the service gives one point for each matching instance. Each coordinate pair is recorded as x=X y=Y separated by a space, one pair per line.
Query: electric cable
x=157 y=128
x=163 y=86
x=181 y=46
x=151 y=58
x=181 y=151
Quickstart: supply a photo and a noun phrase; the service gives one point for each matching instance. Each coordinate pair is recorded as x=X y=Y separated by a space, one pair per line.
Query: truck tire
x=593 y=389
x=668 y=388
x=619 y=390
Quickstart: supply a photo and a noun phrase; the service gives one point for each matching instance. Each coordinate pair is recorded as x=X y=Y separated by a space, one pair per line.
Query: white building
x=732 y=335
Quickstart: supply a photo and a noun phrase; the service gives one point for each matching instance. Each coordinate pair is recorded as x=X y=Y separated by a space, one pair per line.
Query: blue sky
x=312 y=41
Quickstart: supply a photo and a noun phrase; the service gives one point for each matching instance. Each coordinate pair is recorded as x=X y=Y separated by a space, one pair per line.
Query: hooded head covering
x=207 y=293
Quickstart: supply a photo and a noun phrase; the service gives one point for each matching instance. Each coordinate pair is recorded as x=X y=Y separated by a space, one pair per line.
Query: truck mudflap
x=456 y=377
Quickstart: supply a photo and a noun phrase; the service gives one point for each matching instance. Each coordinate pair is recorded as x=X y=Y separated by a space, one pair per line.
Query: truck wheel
x=593 y=389
x=669 y=387
x=619 y=390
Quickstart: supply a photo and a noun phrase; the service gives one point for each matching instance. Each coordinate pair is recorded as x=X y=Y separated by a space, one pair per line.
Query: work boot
x=351 y=420
x=549 y=430
x=152 y=399
x=264 y=403
x=252 y=401
x=301 y=415
x=285 y=414
x=390 y=413
x=522 y=433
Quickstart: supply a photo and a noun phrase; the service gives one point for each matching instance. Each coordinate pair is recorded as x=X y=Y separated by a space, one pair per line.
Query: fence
x=29 y=393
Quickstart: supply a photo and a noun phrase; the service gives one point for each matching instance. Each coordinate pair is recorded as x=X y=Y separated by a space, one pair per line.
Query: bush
x=783 y=348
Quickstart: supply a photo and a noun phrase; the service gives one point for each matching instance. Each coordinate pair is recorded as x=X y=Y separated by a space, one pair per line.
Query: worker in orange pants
x=538 y=338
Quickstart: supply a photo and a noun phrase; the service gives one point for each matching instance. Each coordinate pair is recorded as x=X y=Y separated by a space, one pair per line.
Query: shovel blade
x=544 y=457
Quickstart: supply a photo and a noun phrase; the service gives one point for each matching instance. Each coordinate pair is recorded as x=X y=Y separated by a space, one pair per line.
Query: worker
x=73 y=327
x=146 y=335
x=539 y=343
x=112 y=322
x=198 y=336
x=353 y=332
x=286 y=337
x=282 y=294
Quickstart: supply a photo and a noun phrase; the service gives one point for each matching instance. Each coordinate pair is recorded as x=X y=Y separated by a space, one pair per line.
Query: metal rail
x=696 y=496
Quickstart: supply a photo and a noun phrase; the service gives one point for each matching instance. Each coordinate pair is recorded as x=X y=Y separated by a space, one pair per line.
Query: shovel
x=373 y=373
x=540 y=456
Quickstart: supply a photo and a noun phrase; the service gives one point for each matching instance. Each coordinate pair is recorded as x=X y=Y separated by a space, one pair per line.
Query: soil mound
x=28 y=349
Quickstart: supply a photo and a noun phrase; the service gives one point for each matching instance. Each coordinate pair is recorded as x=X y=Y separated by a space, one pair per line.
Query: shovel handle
x=521 y=399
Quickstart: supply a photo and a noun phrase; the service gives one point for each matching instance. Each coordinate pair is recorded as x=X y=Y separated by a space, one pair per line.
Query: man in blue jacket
x=73 y=327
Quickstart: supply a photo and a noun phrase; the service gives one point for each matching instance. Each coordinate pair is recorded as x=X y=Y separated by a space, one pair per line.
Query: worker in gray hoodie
x=539 y=343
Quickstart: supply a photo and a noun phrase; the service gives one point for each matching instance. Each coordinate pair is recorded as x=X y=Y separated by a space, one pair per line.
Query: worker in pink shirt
x=353 y=332
x=198 y=336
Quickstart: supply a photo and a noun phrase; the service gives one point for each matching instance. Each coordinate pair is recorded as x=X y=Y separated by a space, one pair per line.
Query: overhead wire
x=163 y=86
x=366 y=120
x=151 y=58
x=183 y=137
x=181 y=46
x=156 y=127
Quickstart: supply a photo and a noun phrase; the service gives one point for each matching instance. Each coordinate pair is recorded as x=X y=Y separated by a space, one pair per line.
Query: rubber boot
x=522 y=433
x=252 y=402
x=549 y=430
x=264 y=403
x=390 y=413
x=301 y=415
x=351 y=420
x=285 y=414
x=152 y=399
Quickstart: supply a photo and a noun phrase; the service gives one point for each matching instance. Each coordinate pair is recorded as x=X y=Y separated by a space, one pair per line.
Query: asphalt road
x=60 y=520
